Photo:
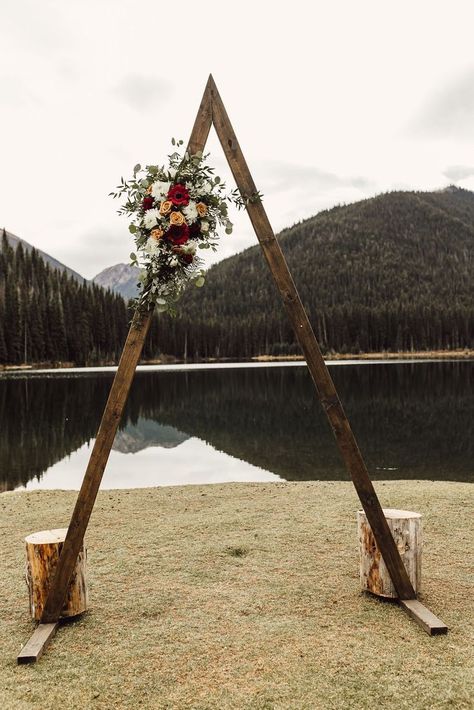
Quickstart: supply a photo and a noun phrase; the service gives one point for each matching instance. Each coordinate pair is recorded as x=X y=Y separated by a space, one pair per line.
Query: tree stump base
x=405 y=527
x=42 y=555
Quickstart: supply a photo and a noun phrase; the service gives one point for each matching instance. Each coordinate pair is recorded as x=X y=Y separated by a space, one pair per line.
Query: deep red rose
x=194 y=230
x=178 y=195
x=187 y=258
x=178 y=234
x=147 y=203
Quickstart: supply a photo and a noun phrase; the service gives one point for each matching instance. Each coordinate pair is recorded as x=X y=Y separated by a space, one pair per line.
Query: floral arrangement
x=176 y=212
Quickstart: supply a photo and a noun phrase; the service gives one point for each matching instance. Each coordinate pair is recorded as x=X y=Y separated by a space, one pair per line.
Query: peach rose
x=148 y=190
x=156 y=233
x=176 y=219
x=165 y=207
x=201 y=209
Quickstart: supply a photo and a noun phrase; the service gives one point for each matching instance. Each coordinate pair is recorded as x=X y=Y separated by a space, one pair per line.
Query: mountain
x=121 y=278
x=393 y=272
x=145 y=433
x=54 y=263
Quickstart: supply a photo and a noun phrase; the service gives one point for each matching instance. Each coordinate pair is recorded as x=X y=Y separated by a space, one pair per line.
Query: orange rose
x=156 y=233
x=176 y=219
x=201 y=209
x=165 y=207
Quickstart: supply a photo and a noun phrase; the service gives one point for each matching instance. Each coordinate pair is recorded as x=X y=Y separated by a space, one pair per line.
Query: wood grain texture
x=309 y=345
x=112 y=414
x=42 y=554
x=35 y=646
x=96 y=466
x=406 y=529
x=424 y=617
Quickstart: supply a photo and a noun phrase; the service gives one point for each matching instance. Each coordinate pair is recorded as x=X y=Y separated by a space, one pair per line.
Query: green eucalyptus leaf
x=132 y=228
x=200 y=281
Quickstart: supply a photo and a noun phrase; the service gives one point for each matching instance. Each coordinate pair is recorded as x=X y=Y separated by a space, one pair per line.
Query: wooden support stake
x=43 y=550
x=316 y=365
x=424 y=617
x=95 y=469
x=33 y=648
x=105 y=438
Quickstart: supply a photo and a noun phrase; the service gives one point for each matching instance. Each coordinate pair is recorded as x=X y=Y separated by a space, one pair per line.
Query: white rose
x=204 y=226
x=160 y=188
x=189 y=248
x=152 y=246
x=206 y=188
x=151 y=218
x=190 y=212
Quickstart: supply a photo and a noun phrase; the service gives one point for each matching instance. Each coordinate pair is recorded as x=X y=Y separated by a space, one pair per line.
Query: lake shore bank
x=242 y=596
x=407 y=355
x=464 y=354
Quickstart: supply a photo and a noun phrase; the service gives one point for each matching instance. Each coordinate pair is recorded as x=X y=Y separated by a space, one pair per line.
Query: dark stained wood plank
x=112 y=415
x=35 y=646
x=96 y=466
x=203 y=122
x=317 y=367
x=424 y=617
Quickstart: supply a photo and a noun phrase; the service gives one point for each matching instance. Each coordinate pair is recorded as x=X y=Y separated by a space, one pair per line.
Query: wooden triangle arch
x=212 y=111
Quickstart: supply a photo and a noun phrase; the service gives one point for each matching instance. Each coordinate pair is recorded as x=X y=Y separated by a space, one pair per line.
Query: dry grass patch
x=241 y=596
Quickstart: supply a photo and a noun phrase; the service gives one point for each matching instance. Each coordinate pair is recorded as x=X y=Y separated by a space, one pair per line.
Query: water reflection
x=411 y=421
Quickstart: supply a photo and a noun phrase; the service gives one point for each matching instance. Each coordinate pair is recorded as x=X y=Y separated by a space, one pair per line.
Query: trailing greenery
x=389 y=273
x=48 y=316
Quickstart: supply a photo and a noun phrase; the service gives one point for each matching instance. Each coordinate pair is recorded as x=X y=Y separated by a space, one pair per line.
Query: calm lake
x=246 y=422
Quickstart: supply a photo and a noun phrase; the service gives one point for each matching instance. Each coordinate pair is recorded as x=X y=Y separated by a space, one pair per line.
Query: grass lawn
x=242 y=596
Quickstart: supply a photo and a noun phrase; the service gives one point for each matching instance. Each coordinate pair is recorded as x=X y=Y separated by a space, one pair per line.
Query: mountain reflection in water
x=411 y=421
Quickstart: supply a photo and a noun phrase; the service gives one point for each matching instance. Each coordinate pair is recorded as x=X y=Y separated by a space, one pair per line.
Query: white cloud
x=320 y=106
x=459 y=172
x=449 y=112
x=142 y=92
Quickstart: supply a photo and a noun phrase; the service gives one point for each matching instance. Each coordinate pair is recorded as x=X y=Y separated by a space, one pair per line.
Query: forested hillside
x=48 y=316
x=390 y=273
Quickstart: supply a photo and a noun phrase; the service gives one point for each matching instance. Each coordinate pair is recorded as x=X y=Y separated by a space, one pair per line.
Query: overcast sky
x=332 y=102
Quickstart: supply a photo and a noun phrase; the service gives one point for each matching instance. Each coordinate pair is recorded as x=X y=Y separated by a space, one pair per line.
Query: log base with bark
x=405 y=527
x=42 y=555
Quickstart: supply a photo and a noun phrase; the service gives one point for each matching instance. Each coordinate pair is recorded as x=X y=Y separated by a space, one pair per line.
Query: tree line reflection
x=411 y=421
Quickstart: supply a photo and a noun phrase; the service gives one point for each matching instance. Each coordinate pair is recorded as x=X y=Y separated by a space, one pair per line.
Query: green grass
x=241 y=596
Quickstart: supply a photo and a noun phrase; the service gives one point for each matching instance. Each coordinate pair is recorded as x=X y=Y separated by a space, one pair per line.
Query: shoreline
x=463 y=354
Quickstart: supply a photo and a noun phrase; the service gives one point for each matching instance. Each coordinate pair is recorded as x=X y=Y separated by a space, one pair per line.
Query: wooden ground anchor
x=42 y=554
x=212 y=112
x=406 y=529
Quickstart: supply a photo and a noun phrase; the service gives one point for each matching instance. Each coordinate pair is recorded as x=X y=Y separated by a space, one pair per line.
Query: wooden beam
x=316 y=365
x=424 y=617
x=112 y=415
x=203 y=122
x=33 y=648
x=95 y=469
